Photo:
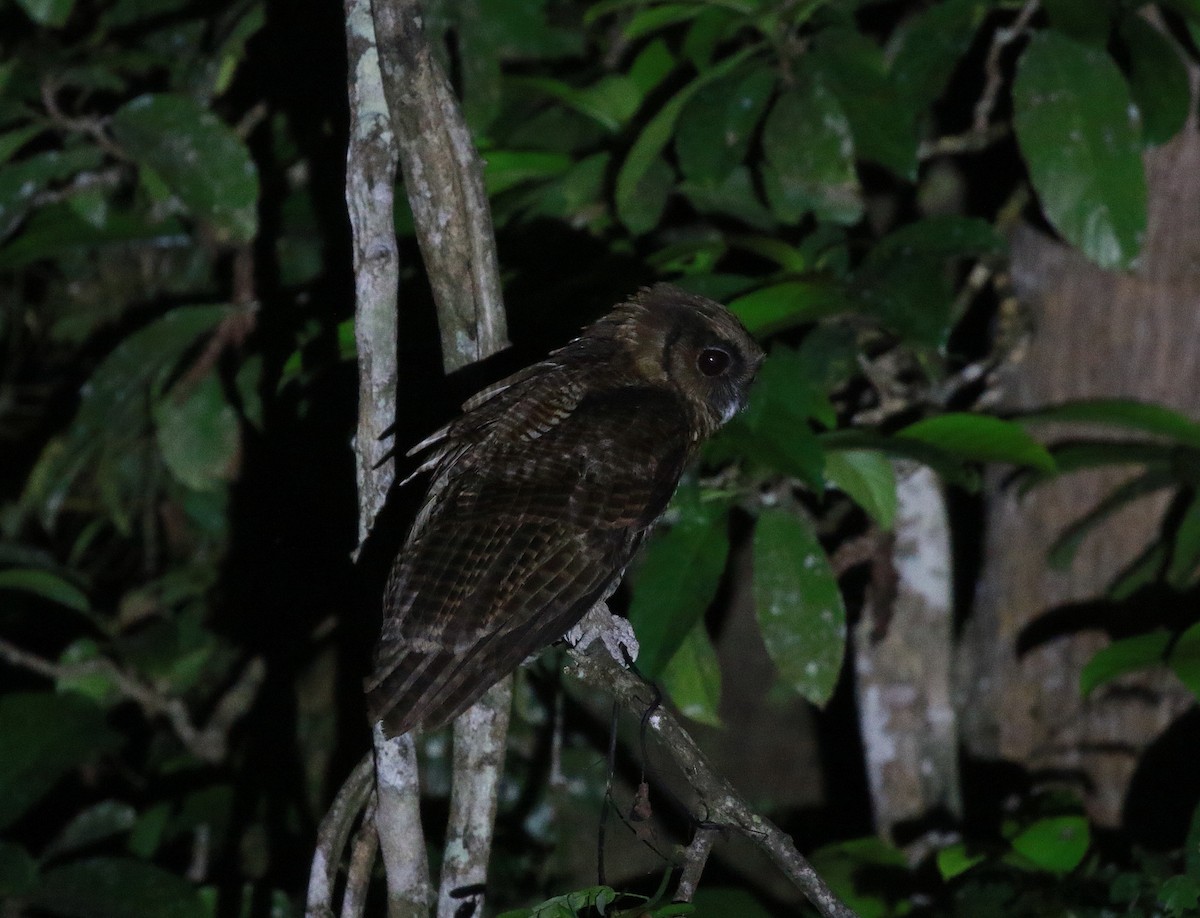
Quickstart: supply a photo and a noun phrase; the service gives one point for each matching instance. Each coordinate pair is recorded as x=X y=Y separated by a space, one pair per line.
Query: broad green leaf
x=868 y=478
x=1119 y=412
x=12 y=141
x=199 y=157
x=980 y=438
x=653 y=140
x=95 y=684
x=787 y=304
x=884 y=127
x=954 y=860
x=710 y=28
x=678 y=578
x=1145 y=569
x=800 y=610
x=715 y=127
x=648 y=199
x=18 y=871
x=1056 y=844
x=930 y=46
x=117 y=888
x=53 y=13
x=505 y=169
x=199 y=435
x=611 y=101
x=61 y=230
x=46 y=585
x=940 y=237
x=1158 y=79
x=1185 y=659
x=712 y=901
x=568 y=905
x=809 y=150
x=948 y=465
x=45 y=736
x=1079 y=133
x=693 y=678
x=655 y=18
x=1185 y=547
x=1124 y=656
x=735 y=197
x=1062 y=552
x=1180 y=895
x=96 y=822
x=147 y=832
x=864 y=873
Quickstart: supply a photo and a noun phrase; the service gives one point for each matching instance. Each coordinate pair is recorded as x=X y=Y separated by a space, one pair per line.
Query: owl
x=542 y=491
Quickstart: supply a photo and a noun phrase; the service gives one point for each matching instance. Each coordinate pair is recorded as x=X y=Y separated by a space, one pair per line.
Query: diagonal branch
x=722 y=803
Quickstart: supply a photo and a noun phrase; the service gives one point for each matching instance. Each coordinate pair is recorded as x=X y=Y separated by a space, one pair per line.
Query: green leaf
x=1158 y=79
x=1056 y=844
x=1120 y=412
x=949 y=466
x=941 y=237
x=12 y=141
x=1062 y=552
x=715 y=126
x=653 y=140
x=929 y=48
x=21 y=181
x=809 y=149
x=791 y=303
x=678 y=578
x=99 y=821
x=45 y=736
x=53 y=13
x=800 y=609
x=199 y=437
x=199 y=157
x=505 y=169
x=46 y=585
x=980 y=438
x=1185 y=547
x=569 y=905
x=97 y=685
x=868 y=478
x=954 y=860
x=735 y=196
x=117 y=888
x=713 y=901
x=1078 y=131
x=884 y=126
x=1180 y=896
x=693 y=678
x=1185 y=659
x=1124 y=656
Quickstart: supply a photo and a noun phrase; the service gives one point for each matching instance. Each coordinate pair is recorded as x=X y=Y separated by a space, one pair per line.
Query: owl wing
x=511 y=552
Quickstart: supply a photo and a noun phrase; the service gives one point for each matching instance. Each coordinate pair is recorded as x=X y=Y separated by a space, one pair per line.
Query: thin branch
x=209 y=743
x=480 y=737
x=443 y=178
x=993 y=75
x=332 y=835
x=695 y=856
x=362 y=861
x=409 y=891
x=722 y=804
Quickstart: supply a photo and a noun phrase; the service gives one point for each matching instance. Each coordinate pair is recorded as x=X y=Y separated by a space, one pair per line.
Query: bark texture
x=1096 y=333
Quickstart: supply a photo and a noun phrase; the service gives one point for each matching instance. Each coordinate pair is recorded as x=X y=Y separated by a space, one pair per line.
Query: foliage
x=177 y=500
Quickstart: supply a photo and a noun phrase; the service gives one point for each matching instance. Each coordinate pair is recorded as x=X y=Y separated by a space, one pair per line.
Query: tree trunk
x=1096 y=333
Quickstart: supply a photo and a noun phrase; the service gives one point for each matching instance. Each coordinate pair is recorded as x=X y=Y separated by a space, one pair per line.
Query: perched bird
x=541 y=492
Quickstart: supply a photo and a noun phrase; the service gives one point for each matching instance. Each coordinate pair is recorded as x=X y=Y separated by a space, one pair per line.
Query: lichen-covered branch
x=332 y=835
x=443 y=177
x=722 y=804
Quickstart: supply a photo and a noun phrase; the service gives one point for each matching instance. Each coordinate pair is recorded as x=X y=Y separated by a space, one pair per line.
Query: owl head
x=690 y=344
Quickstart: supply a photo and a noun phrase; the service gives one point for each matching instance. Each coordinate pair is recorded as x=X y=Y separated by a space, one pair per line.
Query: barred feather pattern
x=540 y=494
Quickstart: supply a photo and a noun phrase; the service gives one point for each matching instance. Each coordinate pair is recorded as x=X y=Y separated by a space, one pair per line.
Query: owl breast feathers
x=541 y=492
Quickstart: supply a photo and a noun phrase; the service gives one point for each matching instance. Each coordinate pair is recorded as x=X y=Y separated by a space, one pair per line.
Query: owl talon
x=615 y=633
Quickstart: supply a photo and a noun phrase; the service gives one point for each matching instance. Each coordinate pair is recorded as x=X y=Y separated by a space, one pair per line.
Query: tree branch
x=722 y=804
x=695 y=856
x=332 y=835
x=443 y=177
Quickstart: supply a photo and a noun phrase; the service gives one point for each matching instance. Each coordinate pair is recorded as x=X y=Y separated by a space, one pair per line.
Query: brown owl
x=541 y=492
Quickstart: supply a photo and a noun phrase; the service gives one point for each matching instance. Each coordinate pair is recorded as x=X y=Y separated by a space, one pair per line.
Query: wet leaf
x=200 y=158
x=800 y=610
x=1080 y=135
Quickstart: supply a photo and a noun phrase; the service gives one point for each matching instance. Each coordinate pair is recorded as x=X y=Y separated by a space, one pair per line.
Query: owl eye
x=712 y=361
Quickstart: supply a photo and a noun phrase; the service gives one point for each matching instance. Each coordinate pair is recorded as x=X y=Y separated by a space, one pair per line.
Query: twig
x=723 y=804
x=92 y=126
x=972 y=141
x=443 y=178
x=209 y=743
x=993 y=76
x=331 y=838
x=695 y=856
